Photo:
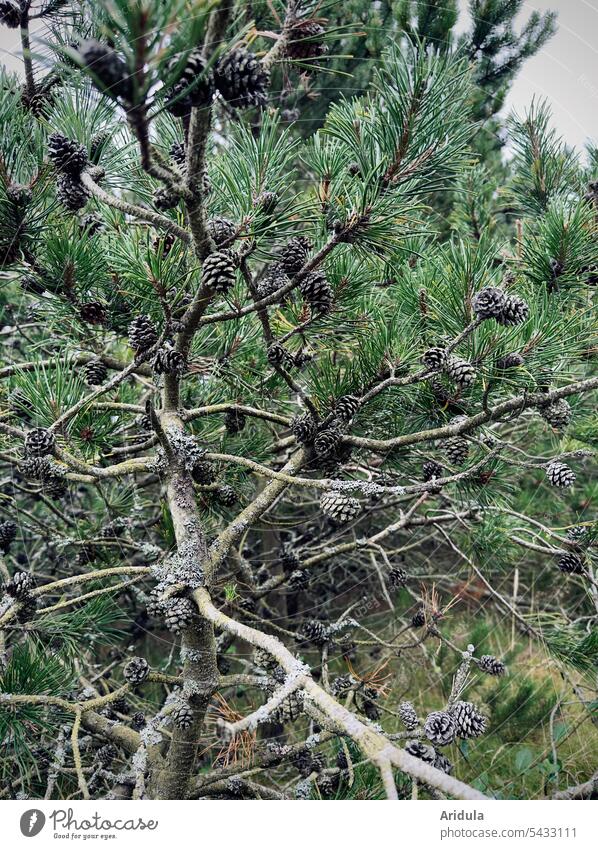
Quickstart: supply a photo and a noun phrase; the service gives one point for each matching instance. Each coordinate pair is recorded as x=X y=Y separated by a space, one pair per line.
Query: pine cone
x=142 y=334
x=408 y=716
x=264 y=660
x=234 y=422
x=21 y=583
x=163 y=245
x=241 y=79
x=469 y=722
x=456 y=449
x=54 y=483
x=91 y=224
x=92 y=313
x=339 y=506
x=107 y=67
x=578 y=534
x=165 y=198
x=317 y=291
x=106 y=754
x=278 y=355
x=182 y=716
x=71 y=192
x=178 y=154
x=66 y=155
x=138 y=721
x=39 y=442
x=169 y=361
x=290 y=709
x=314 y=632
x=397 y=578
x=289 y=559
x=515 y=311
x=491 y=665
x=303 y=428
x=27 y=608
x=557 y=413
x=266 y=202
x=94 y=372
x=298 y=580
x=226 y=495
x=305 y=40
x=195 y=86
x=36 y=467
x=346 y=407
x=510 y=361
x=136 y=670
x=434 y=359
x=294 y=255
x=442 y=763
x=431 y=470
x=418 y=620
x=221 y=230
x=204 y=472
x=420 y=750
x=302 y=358
x=179 y=614
x=306 y=763
x=342 y=685
x=276 y=278
x=219 y=271
x=571 y=564
x=327 y=441
x=489 y=303
x=460 y=371
x=439 y=728
x=328 y=783
x=559 y=474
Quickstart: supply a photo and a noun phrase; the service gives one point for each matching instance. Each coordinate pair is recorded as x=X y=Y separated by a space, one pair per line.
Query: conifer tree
x=262 y=427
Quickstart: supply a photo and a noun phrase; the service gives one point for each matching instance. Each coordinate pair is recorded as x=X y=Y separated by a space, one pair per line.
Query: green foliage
x=407 y=213
x=88 y=624
x=48 y=390
x=544 y=169
x=573 y=646
x=31 y=670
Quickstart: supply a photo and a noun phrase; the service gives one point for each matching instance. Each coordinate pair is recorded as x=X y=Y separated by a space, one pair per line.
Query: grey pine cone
x=489 y=302
x=241 y=79
x=219 y=271
x=559 y=474
x=408 y=716
x=439 y=728
x=39 y=442
x=142 y=333
x=491 y=665
x=460 y=371
x=469 y=722
x=182 y=716
x=136 y=670
x=339 y=506
x=557 y=414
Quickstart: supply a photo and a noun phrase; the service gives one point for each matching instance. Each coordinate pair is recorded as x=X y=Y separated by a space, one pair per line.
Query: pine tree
x=234 y=397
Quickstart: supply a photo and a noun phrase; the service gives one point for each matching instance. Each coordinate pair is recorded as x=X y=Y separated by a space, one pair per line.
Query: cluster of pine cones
x=18 y=590
x=238 y=76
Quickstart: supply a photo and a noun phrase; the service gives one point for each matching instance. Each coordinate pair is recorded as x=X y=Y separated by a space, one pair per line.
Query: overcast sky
x=565 y=71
